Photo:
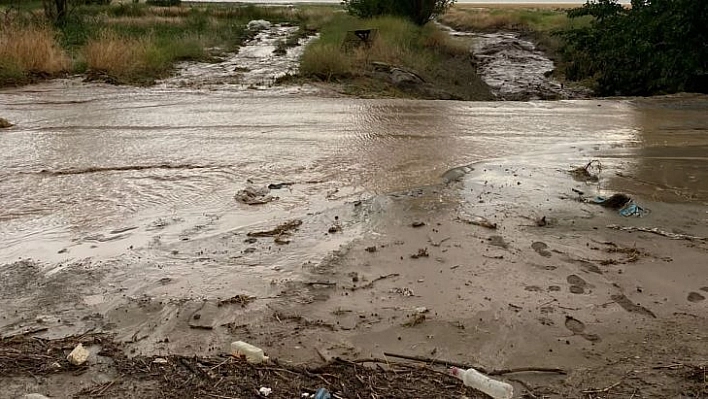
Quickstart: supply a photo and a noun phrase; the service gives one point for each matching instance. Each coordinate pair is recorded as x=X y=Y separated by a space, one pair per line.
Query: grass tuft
x=27 y=50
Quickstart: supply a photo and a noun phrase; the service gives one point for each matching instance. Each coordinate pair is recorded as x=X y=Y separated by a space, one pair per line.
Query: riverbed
x=459 y=230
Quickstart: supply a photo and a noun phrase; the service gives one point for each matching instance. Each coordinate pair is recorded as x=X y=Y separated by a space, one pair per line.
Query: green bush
x=418 y=11
x=656 y=46
x=163 y=3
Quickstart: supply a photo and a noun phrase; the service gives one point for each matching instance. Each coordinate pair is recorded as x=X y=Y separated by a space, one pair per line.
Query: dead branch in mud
x=583 y=173
x=479 y=368
x=282 y=229
x=656 y=230
x=603 y=390
x=370 y=284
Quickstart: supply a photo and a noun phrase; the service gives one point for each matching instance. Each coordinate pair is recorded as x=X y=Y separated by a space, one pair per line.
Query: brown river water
x=90 y=171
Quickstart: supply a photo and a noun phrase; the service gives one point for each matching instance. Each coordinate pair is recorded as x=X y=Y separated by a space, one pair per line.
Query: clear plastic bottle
x=253 y=354
x=475 y=379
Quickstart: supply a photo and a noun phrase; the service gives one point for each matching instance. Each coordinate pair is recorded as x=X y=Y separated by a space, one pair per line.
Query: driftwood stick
x=479 y=368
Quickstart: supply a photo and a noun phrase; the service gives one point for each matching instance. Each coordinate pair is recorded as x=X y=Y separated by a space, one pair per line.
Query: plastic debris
x=78 y=356
x=475 y=379
x=322 y=393
x=624 y=204
x=253 y=354
x=265 y=391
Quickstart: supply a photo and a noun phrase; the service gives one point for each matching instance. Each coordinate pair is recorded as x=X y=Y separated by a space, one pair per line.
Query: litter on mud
x=623 y=203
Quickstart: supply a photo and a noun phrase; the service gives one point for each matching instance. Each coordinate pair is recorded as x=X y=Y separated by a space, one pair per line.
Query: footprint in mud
x=577 y=284
x=541 y=248
x=627 y=305
x=695 y=297
x=574 y=325
x=577 y=327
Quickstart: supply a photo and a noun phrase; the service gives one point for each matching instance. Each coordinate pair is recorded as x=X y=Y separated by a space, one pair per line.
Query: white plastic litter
x=475 y=379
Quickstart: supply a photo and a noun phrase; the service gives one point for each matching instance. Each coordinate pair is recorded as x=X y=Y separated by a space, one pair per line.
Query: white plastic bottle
x=475 y=379
x=252 y=353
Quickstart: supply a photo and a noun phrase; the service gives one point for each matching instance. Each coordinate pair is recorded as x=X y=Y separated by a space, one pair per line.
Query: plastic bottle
x=475 y=379
x=252 y=353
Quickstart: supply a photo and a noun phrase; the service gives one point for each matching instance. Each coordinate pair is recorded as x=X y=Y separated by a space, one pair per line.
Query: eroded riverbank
x=119 y=216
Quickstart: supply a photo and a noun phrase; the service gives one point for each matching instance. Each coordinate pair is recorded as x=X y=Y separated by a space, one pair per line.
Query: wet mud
x=169 y=263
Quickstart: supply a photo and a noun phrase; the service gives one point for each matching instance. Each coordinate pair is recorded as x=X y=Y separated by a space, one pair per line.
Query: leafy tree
x=418 y=11
x=656 y=46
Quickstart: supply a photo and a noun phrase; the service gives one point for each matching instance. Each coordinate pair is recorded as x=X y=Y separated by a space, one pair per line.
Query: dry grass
x=147 y=21
x=490 y=18
x=325 y=61
x=31 y=49
x=115 y=55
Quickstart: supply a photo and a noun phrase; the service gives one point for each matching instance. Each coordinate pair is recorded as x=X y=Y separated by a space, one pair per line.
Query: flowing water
x=91 y=170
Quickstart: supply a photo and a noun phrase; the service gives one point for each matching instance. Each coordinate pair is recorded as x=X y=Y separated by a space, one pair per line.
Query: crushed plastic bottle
x=475 y=379
x=253 y=354
x=322 y=393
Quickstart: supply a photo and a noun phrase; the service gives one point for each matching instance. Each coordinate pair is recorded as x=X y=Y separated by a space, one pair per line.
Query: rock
x=5 y=124
x=78 y=356
x=34 y=396
x=399 y=77
x=381 y=66
x=259 y=24
x=160 y=360
x=254 y=196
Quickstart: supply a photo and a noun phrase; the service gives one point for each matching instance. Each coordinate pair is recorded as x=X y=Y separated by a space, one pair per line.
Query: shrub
x=418 y=11
x=652 y=47
x=28 y=50
x=163 y=3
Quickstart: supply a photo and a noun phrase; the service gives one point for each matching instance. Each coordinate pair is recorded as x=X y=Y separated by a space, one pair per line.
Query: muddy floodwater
x=118 y=213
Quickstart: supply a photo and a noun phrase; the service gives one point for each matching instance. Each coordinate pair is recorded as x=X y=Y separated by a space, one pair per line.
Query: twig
x=370 y=284
x=603 y=390
x=26 y=332
x=479 y=368
x=220 y=364
x=526 y=385
x=670 y=366
x=655 y=230
x=110 y=384
x=213 y=395
x=433 y=361
x=528 y=369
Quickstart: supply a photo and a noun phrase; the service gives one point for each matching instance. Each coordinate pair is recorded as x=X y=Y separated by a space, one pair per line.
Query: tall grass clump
x=138 y=60
x=397 y=41
x=115 y=55
x=29 y=50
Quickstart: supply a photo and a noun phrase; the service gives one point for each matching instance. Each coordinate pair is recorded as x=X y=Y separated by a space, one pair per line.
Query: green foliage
x=418 y=11
x=163 y=3
x=656 y=46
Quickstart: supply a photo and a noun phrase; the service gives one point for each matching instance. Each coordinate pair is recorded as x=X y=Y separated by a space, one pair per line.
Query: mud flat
x=445 y=230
